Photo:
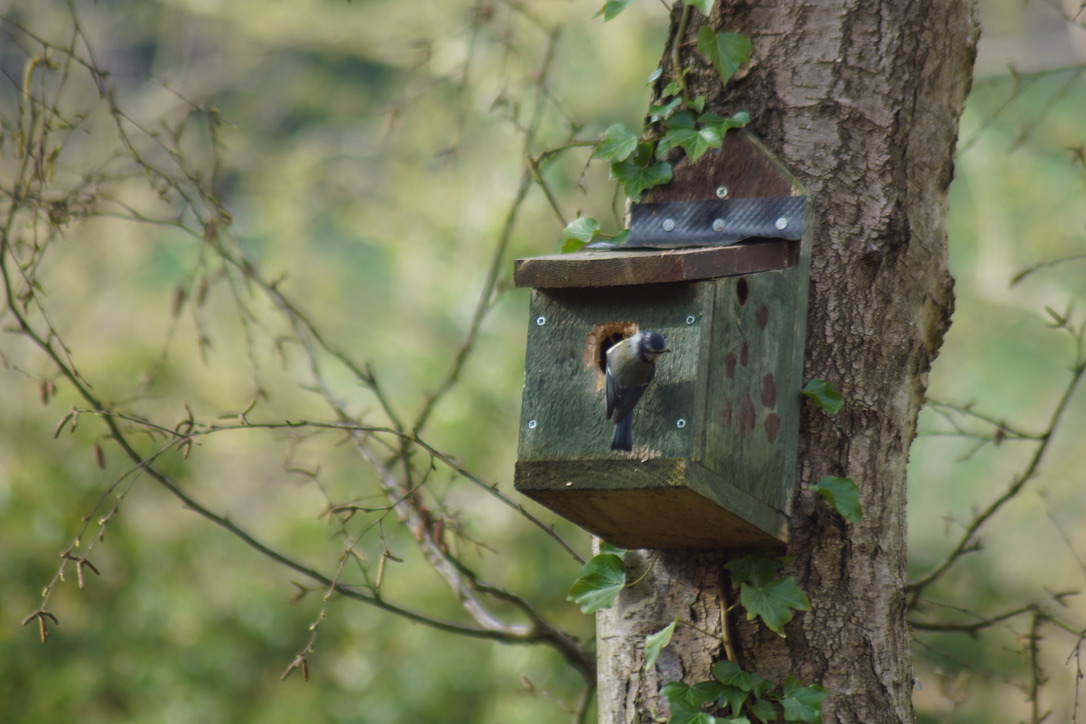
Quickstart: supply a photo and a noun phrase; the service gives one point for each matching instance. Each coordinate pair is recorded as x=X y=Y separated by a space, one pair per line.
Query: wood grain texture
x=743 y=165
x=648 y=266
x=660 y=504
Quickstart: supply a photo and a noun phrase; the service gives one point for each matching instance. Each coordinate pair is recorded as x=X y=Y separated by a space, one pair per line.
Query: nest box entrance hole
x=602 y=337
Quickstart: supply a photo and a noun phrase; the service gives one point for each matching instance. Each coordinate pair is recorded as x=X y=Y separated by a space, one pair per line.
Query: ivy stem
x=648 y=569
x=725 y=621
x=700 y=630
x=676 y=53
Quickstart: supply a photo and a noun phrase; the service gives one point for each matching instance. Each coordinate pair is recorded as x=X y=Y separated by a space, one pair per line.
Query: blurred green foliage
x=368 y=155
x=1017 y=202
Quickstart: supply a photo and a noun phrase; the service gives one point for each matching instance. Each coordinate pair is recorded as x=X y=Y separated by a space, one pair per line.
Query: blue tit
x=631 y=365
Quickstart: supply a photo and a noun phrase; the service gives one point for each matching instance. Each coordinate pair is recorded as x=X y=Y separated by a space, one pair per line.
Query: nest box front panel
x=569 y=332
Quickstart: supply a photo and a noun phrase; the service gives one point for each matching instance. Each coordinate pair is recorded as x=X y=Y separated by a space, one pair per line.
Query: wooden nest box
x=715 y=434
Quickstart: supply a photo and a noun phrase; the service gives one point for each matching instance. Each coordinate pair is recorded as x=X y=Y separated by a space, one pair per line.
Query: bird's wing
x=621 y=400
x=612 y=393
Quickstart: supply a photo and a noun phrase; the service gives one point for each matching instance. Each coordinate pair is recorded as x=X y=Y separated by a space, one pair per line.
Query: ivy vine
x=638 y=160
x=733 y=692
x=735 y=695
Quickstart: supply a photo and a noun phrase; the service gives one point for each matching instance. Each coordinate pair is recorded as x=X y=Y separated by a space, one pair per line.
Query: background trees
x=356 y=167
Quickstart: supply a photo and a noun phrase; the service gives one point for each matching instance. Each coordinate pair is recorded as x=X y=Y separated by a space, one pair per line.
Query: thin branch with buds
x=395 y=451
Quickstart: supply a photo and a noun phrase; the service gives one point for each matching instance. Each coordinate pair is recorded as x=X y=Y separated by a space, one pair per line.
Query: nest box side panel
x=562 y=413
x=755 y=395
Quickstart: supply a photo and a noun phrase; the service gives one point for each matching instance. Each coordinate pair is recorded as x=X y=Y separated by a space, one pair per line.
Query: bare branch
x=968 y=539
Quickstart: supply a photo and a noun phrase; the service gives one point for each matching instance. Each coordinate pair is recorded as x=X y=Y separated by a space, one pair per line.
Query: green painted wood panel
x=562 y=415
x=754 y=388
x=716 y=434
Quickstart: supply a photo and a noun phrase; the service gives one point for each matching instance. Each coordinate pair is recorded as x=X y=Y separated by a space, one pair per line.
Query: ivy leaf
x=636 y=178
x=740 y=119
x=677 y=691
x=683 y=119
x=802 y=703
x=612 y=8
x=568 y=246
x=757 y=568
x=764 y=593
x=761 y=685
x=664 y=110
x=574 y=238
x=726 y=51
x=683 y=713
x=695 y=695
x=705 y=6
x=621 y=237
x=774 y=602
x=673 y=88
x=599 y=583
x=655 y=643
x=733 y=697
x=729 y=672
x=842 y=495
x=579 y=232
x=606 y=547
x=824 y=394
x=723 y=124
x=618 y=144
x=763 y=711
x=694 y=141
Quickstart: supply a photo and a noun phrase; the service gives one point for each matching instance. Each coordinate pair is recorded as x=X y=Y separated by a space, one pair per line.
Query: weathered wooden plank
x=653 y=266
x=754 y=390
x=563 y=406
x=666 y=503
x=743 y=166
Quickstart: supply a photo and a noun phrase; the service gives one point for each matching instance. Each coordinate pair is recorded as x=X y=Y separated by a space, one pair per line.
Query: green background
x=369 y=155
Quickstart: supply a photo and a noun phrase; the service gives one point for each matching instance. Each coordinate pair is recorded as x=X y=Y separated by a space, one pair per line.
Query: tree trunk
x=861 y=100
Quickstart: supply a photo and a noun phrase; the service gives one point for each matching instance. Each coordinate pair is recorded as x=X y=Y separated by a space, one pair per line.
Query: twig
x=486 y=296
x=199 y=213
x=968 y=542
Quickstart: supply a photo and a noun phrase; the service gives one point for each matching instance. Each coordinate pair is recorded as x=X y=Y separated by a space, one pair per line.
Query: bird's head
x=650 y=345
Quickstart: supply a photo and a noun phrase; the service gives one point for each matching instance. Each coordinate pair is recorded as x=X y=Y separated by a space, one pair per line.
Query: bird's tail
x=622 y=439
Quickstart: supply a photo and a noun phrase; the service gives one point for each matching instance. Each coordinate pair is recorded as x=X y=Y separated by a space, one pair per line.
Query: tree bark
x=861 y=99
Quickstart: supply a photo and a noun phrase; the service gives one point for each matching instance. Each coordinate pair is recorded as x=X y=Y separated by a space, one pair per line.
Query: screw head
x=690 y=319
x=680 y=423
x=782 y=223
x=540 y=321
x=718 y=224
x=722 y=192
x=668 y=224
x=532 y=424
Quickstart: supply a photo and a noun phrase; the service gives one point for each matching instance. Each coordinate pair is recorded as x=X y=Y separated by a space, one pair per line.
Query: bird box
x=718 y=263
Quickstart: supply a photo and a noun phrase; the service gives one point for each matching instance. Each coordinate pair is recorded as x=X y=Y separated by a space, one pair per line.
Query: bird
x=631 y=365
